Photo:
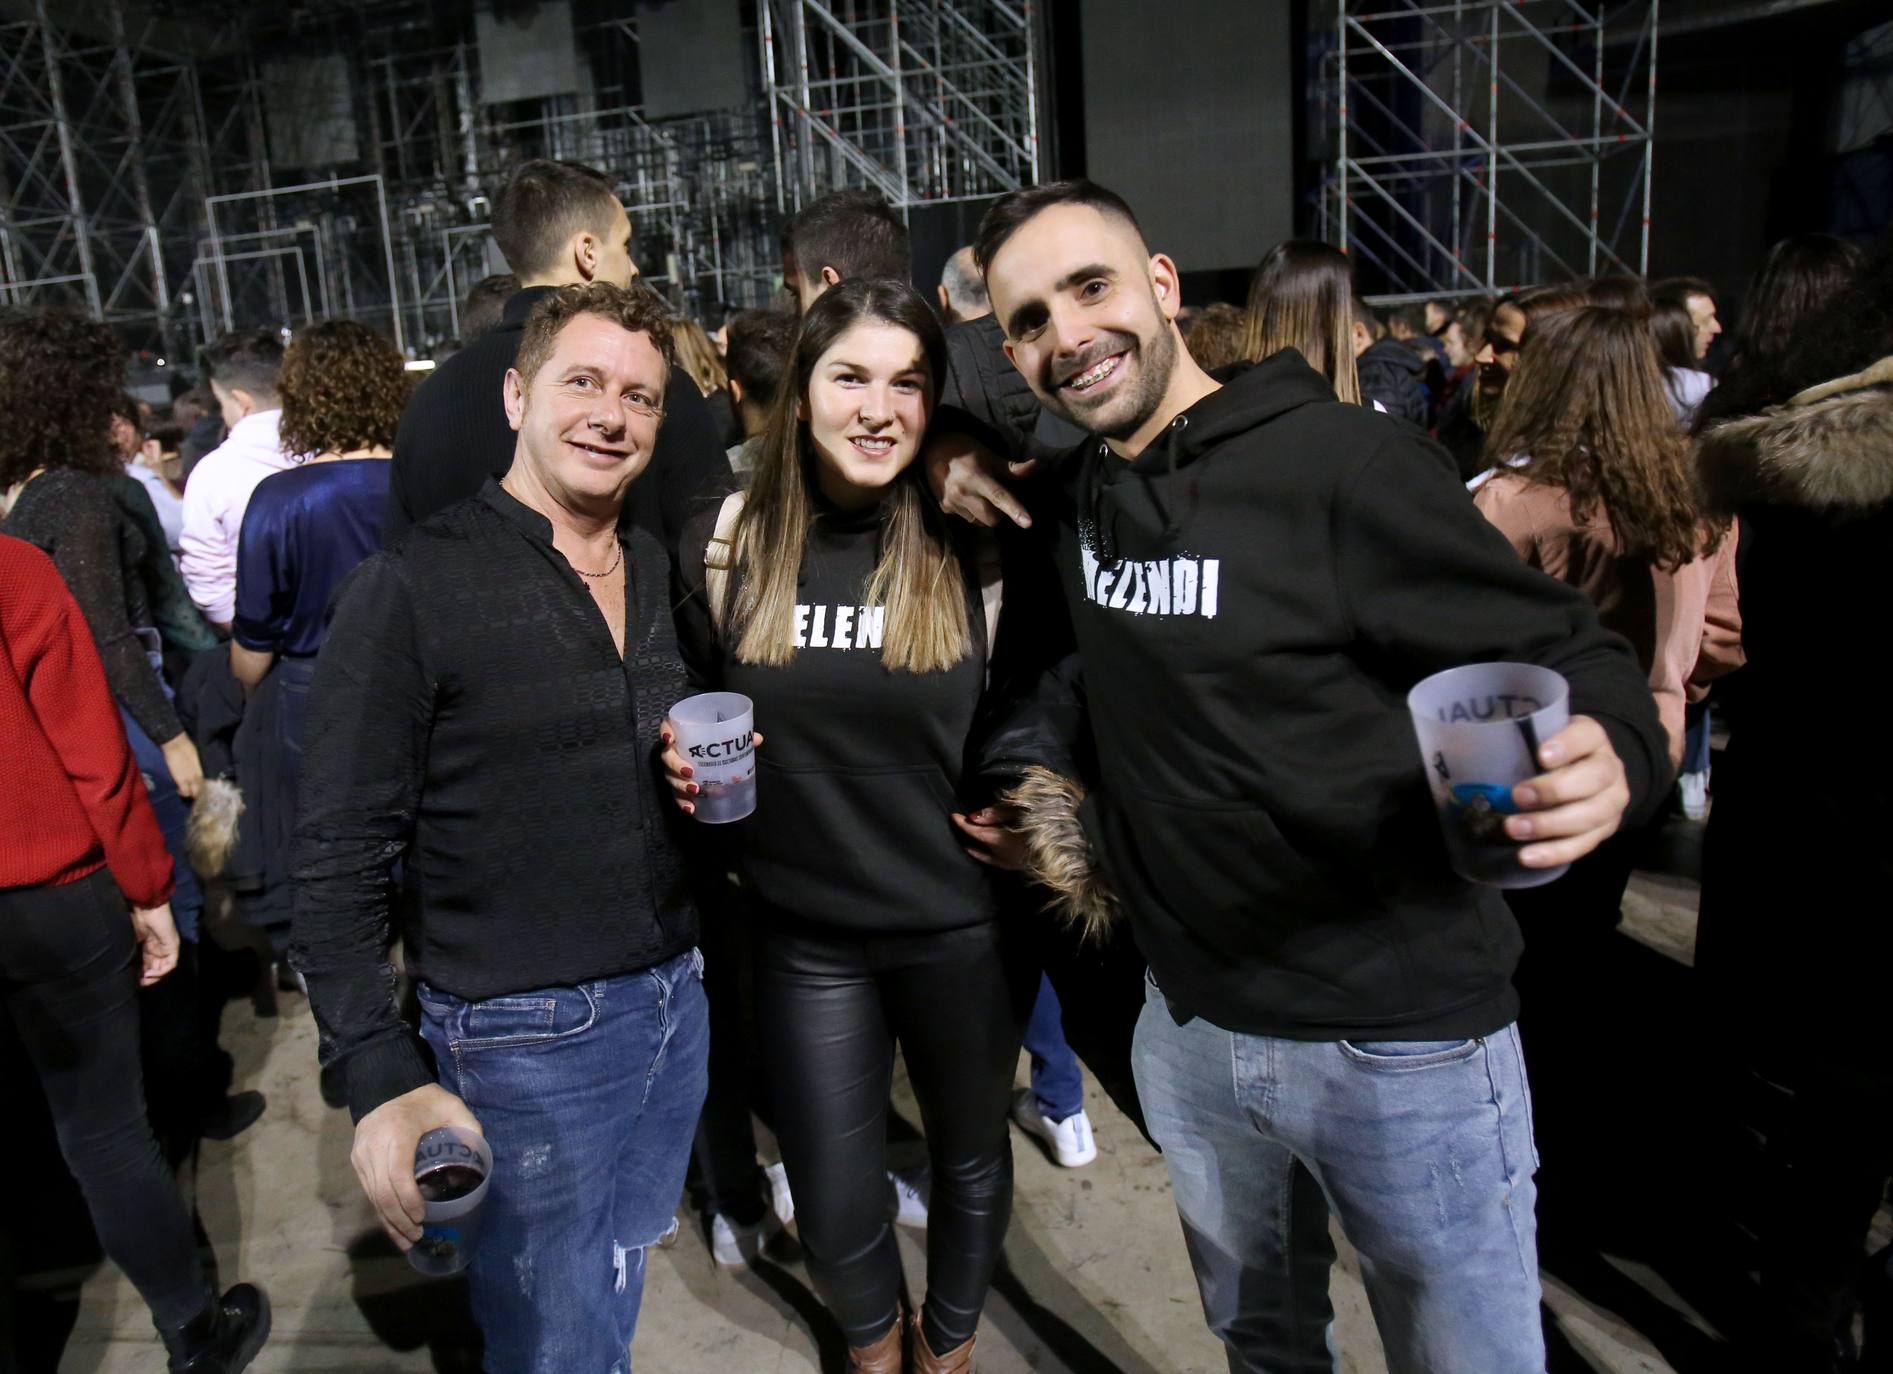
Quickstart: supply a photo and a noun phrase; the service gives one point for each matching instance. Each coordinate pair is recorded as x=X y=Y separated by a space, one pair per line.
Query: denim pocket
x=524 y=1019
x=1408 y=1056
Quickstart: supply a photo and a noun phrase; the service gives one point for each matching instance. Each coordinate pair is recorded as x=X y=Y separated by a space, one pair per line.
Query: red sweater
x=71 y=797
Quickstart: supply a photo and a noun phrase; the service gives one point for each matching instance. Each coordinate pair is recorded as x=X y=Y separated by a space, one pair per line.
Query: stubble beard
x=1156 y=362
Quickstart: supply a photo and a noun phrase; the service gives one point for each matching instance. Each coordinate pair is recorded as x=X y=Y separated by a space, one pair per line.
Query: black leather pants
x=831 y=1005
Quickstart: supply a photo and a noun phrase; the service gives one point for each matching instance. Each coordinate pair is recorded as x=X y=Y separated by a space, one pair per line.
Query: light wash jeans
x=589 y=1097
x=1424 y=1151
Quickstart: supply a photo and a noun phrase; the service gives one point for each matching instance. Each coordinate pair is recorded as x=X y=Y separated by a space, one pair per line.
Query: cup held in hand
x=452 y=1168
x=1479 y=730
x=716 y=736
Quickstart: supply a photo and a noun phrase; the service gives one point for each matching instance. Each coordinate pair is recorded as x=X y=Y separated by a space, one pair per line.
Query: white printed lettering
x=1157 y=588
x=1212 y=577
x=844 y=626
x=818 y=636
x=1183 y=578
x=801 y=627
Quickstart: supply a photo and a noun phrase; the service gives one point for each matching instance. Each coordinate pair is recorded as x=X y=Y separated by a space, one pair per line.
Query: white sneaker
x=735 y=1245
x=781 y=1201
x=1070 y=1141
x=910 y=1196
x=1695 y=790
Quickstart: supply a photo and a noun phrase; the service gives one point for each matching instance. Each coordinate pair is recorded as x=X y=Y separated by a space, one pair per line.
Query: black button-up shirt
x=470 y=714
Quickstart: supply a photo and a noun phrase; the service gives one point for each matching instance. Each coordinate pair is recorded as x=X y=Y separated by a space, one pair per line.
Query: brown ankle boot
x=883 y=1357
x=922 y=1360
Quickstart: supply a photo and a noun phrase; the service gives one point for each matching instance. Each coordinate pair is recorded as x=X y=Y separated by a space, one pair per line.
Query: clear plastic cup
x=452 y=1168
x=716 y=736
x=1479 y=729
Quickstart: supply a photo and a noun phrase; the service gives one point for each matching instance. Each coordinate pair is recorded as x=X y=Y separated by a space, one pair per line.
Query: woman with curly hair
x=57 y=466
x=1602 y=498
x=342 y=388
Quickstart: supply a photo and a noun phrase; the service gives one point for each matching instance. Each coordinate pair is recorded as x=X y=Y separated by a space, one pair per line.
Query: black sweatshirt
x=471 y=714
x=454 y=435
x=78 y=519
x=862 y=765
x=1253 y=597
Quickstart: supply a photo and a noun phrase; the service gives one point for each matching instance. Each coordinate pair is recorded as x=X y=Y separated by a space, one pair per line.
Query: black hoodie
x=1392 y=374
x=1253 y=597
x=865 y=764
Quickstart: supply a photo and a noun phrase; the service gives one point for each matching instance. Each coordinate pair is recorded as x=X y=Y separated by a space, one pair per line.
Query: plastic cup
x=452 y=1168
x=716 y=736
x=1479 y=729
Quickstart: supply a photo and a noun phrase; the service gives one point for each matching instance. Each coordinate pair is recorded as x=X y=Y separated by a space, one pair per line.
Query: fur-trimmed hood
x=1830 y=447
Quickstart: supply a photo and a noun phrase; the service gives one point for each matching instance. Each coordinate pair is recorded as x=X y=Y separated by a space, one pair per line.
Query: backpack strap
x=719 y=556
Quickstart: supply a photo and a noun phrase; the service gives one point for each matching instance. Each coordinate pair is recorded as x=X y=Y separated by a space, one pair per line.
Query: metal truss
x=101 y=167
x=1483 y=144
x=922 y=100
x=139 y=185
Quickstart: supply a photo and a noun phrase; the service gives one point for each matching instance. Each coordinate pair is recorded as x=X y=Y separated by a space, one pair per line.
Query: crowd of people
x=1078 y=626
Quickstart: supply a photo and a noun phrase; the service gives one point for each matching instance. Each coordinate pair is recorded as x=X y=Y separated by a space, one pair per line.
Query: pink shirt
x=215 y=498
x=1686 y=626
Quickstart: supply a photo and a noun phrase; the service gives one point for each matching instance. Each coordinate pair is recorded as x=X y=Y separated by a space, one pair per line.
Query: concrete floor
x=1095 y=1277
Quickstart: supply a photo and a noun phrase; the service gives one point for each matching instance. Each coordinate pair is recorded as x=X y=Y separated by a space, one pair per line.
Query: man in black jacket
x=1257 y=574
x=558 y=224
x=486 y=709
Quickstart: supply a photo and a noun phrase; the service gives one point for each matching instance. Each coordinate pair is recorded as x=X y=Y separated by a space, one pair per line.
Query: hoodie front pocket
x=1209 y=861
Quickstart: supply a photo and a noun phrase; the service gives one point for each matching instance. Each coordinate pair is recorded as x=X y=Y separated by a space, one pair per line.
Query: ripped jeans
x=589 y=1097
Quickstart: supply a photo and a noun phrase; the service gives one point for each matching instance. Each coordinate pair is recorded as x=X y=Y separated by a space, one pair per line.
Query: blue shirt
x=303 y=532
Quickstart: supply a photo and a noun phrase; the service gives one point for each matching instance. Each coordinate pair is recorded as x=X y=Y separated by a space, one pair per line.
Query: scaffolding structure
x=925 y=101
x=1480 y=145
x=174 y=188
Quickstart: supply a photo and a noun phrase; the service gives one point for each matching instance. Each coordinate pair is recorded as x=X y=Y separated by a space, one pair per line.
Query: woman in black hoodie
x=835 y=596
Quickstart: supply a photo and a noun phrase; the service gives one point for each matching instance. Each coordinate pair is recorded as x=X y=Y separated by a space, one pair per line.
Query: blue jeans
x=1422 y=1148
x=174 y=815
x=1057 y=1082
x=588 y=1096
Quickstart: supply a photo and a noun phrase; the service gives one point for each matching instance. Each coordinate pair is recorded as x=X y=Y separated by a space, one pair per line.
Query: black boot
x=224 y=1337
x=231 y=1115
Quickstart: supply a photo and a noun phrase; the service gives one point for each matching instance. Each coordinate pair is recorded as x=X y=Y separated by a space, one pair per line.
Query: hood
x=1831 y=447
x=1251 y=395
x=1392 y=353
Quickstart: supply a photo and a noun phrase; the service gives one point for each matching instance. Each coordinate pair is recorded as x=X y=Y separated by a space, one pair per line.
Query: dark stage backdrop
x=1189 y=115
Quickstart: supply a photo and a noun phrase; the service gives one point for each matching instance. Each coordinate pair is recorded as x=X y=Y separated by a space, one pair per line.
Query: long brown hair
x=1587 y=409
x=696 y=355
x=918 y=580
x=1302 y=297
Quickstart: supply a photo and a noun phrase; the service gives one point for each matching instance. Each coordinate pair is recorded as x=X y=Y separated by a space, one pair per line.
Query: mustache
x=1056 y=375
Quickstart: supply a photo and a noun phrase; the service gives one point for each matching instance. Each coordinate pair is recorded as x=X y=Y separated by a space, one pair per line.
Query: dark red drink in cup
x=451 y=1168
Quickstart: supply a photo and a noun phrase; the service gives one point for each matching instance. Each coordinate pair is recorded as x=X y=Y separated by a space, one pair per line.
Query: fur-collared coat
x=1796 y=939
